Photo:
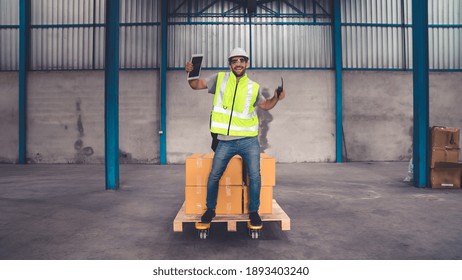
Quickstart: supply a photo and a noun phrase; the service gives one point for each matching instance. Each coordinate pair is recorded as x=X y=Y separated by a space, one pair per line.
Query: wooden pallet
x=278 y=215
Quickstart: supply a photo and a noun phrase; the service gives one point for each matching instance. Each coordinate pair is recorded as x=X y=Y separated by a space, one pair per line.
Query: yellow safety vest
x=233 y=111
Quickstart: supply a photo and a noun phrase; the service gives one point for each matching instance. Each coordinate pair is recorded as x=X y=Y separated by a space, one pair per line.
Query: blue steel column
x=337 y=49
x=111 y=95
x=421 y=91
x=163 y=85
x=24 y=47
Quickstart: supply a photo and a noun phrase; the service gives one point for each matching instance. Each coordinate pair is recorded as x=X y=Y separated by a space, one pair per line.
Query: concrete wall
x=445 y=99
x=139 y=112
x=9 y=88
x=65 y=122
x=377 y=115
x=66 y=115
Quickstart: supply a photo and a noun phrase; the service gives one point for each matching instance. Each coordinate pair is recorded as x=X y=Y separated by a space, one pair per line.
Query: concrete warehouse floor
x=337 y=211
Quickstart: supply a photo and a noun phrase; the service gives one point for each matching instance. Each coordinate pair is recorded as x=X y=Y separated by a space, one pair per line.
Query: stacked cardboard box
x=445 y=171
x=232 y=193
x=268 y=181
x=229 y=200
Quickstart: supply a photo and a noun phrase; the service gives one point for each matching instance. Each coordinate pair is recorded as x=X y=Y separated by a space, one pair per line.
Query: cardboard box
x=198 y=167
x=266 y=200
x=195 y=199
x=229 y=200
x=445 y=137
x=267 y=170
x=197 y=170
x=446 y=175
x=439 y=154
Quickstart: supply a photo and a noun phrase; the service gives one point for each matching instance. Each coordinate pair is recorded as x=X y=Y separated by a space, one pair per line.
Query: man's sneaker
x=255 y=219
x=208 y=216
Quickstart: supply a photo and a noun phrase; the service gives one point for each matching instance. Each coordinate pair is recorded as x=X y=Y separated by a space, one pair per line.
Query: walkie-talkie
x=280 y=88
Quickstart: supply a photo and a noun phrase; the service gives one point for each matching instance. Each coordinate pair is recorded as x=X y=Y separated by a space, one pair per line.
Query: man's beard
x=239 y=75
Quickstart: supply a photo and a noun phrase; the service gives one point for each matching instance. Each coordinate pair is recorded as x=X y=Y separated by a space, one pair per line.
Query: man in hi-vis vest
x=235 y=120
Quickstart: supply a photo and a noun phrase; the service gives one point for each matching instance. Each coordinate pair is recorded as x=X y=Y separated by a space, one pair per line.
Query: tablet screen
x=197 y=64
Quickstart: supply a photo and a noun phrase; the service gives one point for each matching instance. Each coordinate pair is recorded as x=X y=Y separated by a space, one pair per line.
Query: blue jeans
x=249 y=149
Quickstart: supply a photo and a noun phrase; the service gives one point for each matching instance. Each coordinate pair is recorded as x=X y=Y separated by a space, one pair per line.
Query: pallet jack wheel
x=203 y=230
x=203 y=234
x=254 y=231
x=254 y=234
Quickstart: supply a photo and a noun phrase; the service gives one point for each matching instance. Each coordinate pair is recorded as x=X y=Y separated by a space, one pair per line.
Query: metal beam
x=421 y=91
x=24 y=50
x=240 y=6
x=163 y=84
x=337 y=49
x=111 y=95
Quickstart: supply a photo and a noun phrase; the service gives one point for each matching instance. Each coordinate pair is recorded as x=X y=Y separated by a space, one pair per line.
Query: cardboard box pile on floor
x=233 y=187
x=445 y=171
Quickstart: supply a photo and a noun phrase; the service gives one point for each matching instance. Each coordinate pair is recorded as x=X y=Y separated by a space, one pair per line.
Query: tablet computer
x=196 y=60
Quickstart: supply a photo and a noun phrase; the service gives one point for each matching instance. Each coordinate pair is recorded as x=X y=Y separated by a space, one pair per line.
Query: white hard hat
x=238 y=52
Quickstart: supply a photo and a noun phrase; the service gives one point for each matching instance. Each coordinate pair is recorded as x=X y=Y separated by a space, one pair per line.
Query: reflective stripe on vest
x=233 y=107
